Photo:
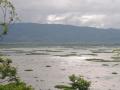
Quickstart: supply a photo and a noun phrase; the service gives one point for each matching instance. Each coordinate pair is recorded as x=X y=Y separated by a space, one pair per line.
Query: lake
x=44 y=66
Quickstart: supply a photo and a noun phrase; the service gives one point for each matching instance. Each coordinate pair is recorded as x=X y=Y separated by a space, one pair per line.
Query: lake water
x=45 y=66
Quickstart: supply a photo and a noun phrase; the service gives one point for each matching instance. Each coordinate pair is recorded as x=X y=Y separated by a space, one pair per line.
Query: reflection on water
x=72 y=61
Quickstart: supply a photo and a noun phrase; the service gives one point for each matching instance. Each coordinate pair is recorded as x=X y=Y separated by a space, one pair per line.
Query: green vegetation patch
x=101 y=60
x=53 y=50
x=8 y=73
x=15 y=86
x=67 y=55
x=37 y=54
x=90 y=54
x=101 y=51
x=115 y=57
x=77 y=83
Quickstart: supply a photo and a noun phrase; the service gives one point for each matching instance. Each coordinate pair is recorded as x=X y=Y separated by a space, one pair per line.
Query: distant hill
x=55 y=33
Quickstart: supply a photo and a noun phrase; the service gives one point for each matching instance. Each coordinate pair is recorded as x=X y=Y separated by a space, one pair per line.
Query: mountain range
x=56 y=33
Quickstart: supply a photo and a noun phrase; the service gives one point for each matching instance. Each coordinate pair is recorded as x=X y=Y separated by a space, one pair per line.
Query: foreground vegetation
x=8 y=76
x=15 y=86
x=77 y=83
x=8 y=73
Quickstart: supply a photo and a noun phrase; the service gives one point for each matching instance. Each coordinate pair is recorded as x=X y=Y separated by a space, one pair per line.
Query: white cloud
x=93 y=20
x=77 y=19
x=87 y=18
x=99 y=13
x=53 y=18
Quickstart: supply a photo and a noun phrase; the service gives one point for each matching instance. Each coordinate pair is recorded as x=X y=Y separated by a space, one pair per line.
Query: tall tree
x=7 y=15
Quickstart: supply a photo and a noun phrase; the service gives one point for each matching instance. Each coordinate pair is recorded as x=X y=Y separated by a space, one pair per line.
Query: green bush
x=77 y=83
x=8 y=74
x=7 y=70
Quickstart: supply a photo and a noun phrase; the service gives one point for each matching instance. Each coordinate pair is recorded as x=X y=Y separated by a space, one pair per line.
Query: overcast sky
x=98 y=13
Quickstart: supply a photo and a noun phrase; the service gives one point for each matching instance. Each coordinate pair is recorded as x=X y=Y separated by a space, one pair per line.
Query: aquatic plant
x=117 y=52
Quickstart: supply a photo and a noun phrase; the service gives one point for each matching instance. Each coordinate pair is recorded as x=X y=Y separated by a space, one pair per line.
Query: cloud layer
x=94 y=13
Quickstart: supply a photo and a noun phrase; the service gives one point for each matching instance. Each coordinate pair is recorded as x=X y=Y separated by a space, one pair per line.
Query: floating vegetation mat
x=67 y=55
x=90 y=54
x=116 y=58
x=37 y=54
x=51 y=50
x=101 y=60
x=101 y=51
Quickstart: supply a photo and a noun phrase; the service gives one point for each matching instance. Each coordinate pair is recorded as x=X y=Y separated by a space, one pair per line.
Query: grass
x=15 y=86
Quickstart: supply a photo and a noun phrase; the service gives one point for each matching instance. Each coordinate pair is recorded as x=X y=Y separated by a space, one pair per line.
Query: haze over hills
x=55 y=33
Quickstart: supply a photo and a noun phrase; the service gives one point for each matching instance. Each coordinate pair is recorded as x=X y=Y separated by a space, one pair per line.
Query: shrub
x=7 y=70
x=8 y=76
x=77 y=83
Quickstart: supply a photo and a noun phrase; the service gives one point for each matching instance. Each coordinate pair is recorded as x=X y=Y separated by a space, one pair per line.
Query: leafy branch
x=8 y=15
